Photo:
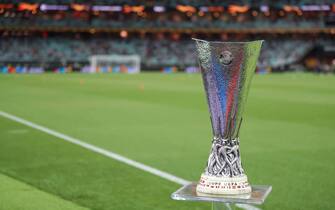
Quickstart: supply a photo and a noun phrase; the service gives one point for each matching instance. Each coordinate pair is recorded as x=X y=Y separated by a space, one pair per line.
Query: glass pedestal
x=221 y=202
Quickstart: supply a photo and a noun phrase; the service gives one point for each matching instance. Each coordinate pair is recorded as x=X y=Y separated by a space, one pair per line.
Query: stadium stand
x=154 y=53
x=52 y=34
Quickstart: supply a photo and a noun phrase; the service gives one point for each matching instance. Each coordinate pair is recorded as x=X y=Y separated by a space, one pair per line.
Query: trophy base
x=223 y=185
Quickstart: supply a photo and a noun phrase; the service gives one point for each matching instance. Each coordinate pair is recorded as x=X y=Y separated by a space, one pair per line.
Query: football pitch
x=287 y=140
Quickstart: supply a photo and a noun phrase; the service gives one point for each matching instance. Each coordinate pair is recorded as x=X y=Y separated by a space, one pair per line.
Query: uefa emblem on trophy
x=227 y=69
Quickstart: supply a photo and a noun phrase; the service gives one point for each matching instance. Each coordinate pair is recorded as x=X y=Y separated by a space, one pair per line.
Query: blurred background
x=62 y=35
x=122 y=76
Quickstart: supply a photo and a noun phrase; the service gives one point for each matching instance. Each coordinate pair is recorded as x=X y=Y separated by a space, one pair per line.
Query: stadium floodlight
x=107 y=8
x=115 y=63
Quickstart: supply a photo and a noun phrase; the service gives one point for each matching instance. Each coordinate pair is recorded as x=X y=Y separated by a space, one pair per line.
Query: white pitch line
x=98 y=150
x=107 y=153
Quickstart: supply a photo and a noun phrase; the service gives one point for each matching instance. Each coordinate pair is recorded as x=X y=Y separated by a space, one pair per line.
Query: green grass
x=31 y=197
x=287 y=138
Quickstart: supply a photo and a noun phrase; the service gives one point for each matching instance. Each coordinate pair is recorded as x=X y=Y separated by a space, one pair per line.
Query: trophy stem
x=224 y=173
x=221 y=206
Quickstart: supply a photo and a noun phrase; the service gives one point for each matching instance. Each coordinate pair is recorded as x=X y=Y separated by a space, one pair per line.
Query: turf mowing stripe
x=109 y=154
x=14 y=193
x=96 y=149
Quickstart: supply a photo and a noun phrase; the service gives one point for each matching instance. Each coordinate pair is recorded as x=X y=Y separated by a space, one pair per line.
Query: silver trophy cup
x=227 y=69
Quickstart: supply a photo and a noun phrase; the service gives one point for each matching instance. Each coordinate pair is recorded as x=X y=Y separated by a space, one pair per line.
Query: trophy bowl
x=227 y=69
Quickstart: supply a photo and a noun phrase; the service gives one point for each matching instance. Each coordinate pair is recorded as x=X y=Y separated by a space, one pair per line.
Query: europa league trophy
x=227 y=69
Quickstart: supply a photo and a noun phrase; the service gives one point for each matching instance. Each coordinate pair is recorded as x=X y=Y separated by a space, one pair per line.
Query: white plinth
x=223 y=185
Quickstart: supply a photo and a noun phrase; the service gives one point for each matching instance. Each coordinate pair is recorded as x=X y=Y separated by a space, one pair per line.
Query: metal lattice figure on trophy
x=227 y=69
